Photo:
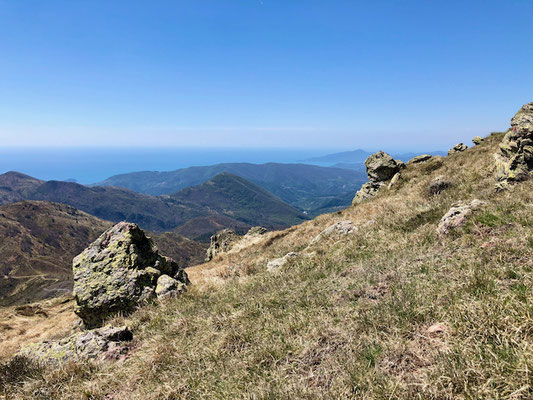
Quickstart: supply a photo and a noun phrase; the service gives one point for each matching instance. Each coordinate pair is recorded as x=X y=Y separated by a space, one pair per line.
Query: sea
x=92 y=165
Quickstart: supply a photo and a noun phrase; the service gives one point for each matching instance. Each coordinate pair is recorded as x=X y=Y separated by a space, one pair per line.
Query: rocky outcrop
x=380 y=167
x=477 y=140
x=280 y=262
x=419 y=159
x=82 y=346
x=458 y=148
x=458 y=215
x=221 y=242
x=118 y=271
x=514 y=161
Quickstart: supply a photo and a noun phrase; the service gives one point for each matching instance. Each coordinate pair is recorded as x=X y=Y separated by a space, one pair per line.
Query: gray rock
x=167 y=286
x=117 y=272
x=221 y=242
x=280 y=262
x=367 y=191
x=381 y=167
x=458 y=215
x=514 y=160
x=80 y=346
x=477 y=140
x=458 y=148
x=339 y=228
x=419 y=159
x=395 y=179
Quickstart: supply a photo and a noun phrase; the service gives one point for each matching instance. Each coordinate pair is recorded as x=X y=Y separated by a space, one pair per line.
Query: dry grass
x=353 y=317
x=48 y=319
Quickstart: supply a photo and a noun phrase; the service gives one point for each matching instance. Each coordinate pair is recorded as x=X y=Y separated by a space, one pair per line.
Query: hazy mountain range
x=307 y=187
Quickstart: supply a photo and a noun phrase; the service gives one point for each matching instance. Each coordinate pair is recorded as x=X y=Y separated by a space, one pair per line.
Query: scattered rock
x=167 y=286
x=395 y=179
x=477 y=140
x=514 y=161
x=419 y=159
x=342 y=228
x=280 y=262
x=437 y=329
x=118 y=271
x=221 y=242
x=438 y=185
x=457 y=148
x=380 y=167
x=256 y=231
x=80 y=346
x=30 y=310
x=457 y=215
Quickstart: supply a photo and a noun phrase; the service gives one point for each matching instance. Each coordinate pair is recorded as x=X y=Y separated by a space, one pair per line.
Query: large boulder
x=221 y=242
x=367 y=191
x=381 y=167
x=514 y=161
x=118 y=271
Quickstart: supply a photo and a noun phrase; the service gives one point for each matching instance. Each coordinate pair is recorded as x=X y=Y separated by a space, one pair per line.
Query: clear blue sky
x=288 y=73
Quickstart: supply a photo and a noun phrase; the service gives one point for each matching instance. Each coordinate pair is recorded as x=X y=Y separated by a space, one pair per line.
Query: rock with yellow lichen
x=117 y=272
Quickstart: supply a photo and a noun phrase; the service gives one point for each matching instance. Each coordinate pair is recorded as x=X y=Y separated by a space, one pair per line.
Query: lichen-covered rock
x=221 y=242
x=419 y=159
x=80 y=346
x=514 y=161
x=367 y=191
x=256 y=231
x=280 y=262
x=457 y=215
x=381 y=167
x=458 y=148
x=167 y=286
x=477 y=140
x=118 y=271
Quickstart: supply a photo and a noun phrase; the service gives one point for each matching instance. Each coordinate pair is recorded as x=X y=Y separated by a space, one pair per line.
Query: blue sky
x=279 y=73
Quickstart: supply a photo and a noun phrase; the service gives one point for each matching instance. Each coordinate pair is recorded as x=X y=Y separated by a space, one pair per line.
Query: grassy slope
x=349 y=321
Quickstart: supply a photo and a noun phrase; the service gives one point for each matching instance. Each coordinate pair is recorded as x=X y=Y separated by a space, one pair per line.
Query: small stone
x=280 y=262
x=437 y=329
x=341 y=227
x=395 y=179
x=167 y=286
